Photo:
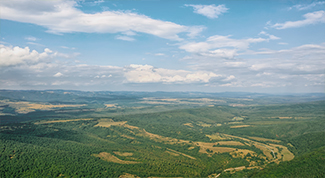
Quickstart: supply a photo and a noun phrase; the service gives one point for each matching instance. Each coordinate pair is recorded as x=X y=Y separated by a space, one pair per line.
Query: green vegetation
x=185 y=138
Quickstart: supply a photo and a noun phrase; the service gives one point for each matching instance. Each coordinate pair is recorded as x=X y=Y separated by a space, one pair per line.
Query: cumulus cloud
x=310 y=18
x=220 y=46
x=15 y=55
x=149 y=74
x=63 y=17
x=210 y=11
x=292 y=67
x=59 y=74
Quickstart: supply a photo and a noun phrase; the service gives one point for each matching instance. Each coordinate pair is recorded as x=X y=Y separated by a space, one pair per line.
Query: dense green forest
x=109 y=134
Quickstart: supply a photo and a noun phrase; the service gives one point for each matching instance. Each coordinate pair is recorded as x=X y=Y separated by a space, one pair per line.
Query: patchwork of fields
x=191 y=137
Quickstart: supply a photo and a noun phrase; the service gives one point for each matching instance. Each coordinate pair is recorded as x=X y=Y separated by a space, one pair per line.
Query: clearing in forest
x=172 y=153
x=235 y=169
x=56 y=121
x=202 y=124
x=188 y=124
x=264 y=139
x=111 y=158
x=179 y=153
x=217 y=136
x=110 y=105
x=210 y=148
x=287 y=155
x=240 y=126
x=109 y=122
x=229 y=143
x=123 y=154
x=127 y=175
x=26 y=107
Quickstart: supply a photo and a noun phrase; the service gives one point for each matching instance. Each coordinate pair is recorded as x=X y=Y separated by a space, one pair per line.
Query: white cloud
x=271 y=37
x=283 y=43
x=30 y=38
x=231 y=77
x=210 y=11
x=149 y=74
x=11 y=56
x=129 y=33
x=63 y=17
x=125 y=38
x=59 y=74
x=306 y=6
x=220 y=46
x=159 y=54
x=33 y=43
x=310 y=18
x=65 y=47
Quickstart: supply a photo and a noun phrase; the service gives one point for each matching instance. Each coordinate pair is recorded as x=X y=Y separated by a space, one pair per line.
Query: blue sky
x=208 y=46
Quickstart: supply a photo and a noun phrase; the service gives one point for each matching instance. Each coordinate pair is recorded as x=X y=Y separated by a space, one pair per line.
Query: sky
x=274 y=46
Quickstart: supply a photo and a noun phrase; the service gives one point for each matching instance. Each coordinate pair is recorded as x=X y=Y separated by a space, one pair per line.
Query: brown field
x=208 y=100
x=242 y=153
x=264 y=139
x=287 y=155
x=110 y=105
x=266 y=151
x=191 y=148
x=131 y=127
x=188 y=124
x=237 y=119
x=56 y=121
x=202 y=124
x=266 y=148
x=254 y=167
x=127 y=175
x=26 y=107
x=109 y=122
x=235 y=122
x=240 y=126
x=111 y=158
x=235 y=169
x=204 y=146
x=285 y=117
x=229 y=143
x=172 y=153
x=170 y=99
x=191 y=157
x=199 y=101
x=303 y=117
x=217 y=136
x=123 y=154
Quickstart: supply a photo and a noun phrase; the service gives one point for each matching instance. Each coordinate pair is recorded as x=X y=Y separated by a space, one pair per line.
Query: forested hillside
x=162 y=137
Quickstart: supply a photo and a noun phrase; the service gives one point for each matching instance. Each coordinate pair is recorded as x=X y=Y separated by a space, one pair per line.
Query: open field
x=108 y=123
x=123 y=154
x=265 y=139
x=188 y=124
x=26 y=107
x=111 y=158
x=229 y=143
x=240 y=126
x=58 y=121
x=127 y=138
